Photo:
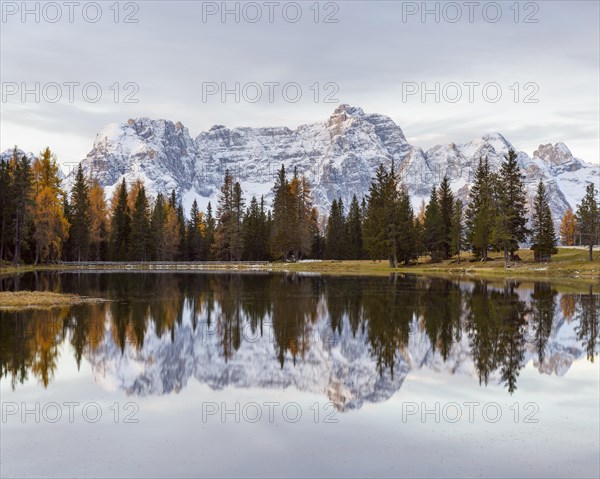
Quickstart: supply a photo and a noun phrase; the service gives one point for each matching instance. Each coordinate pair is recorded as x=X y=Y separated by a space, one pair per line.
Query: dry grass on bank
x=39 y=300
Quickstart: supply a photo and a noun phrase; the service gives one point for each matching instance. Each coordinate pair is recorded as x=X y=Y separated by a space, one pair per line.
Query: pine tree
x=588 y=219
x=446 y=206
x=480 y=212
x=434 y=228
x=457 y=230
x=140 y=237
x=80 y=217
x=544 y=238
x=354 y=247
x=21 y=191
x=120 y=224
x=568 y=228
x=510 y=225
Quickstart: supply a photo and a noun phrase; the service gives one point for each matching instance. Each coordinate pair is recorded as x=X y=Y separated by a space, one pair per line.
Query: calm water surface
x=186 y=375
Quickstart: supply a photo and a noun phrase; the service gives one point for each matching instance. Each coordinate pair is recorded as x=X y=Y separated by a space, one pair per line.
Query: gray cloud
x=369 y=53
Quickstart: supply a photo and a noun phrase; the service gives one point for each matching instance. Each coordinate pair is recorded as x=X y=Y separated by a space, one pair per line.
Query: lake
x=270 y=375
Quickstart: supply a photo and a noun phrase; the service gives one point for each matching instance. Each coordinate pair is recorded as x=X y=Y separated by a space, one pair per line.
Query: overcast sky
x=377 y=55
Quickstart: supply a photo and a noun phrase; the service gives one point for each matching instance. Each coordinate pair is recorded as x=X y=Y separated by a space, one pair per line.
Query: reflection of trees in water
x=494 y=318
x=587 y=329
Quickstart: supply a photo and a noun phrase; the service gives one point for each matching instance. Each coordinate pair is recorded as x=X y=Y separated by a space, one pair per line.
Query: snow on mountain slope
x=339 y=155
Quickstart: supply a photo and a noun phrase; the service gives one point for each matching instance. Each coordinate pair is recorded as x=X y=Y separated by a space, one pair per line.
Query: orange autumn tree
x=51 y=226
x=568 y=228
x=98 y=220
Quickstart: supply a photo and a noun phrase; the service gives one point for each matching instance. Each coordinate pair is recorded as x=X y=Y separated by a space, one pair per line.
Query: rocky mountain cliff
x=338 y=155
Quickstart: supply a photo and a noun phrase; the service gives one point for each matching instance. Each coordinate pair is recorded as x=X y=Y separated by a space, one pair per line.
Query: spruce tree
x=5 y=205
x=237 y=239
x=510 y=225
x=282 y=244
x=457 y=230
x=21 y=191
x=435 y=240
x=194 y=233
x=80 y=217
x=480 y=211
x=253 y=229
x=140 y=238
x=226 y=220
x=209 y=238
x=354 y=231
x=446 y=206
x=157 y=225
x=120 y=225
x=407 y=234
x=335 y=234
x=380 y=231
x=544 y=237
x=588 y=219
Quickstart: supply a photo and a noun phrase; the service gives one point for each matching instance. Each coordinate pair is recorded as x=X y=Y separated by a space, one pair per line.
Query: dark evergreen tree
x=510 y=224
x=354 y=247
x=237 y=212
x=544 y=237
x=194 y=234
x=446 y=205
x=282 y=244
x=120 y=225
x=209 y=239
x=434 y=228
x=80 y=217
x=407 y=240
x=335 y=235
x=480 y=211
x=254 y=232
x=588 y=219
x=380 y=231
x=157 y=226
x=140 y=238
x=22 y=201
x=457 y=230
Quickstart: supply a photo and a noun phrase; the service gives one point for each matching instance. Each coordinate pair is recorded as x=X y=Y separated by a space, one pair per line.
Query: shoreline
x=569 y=264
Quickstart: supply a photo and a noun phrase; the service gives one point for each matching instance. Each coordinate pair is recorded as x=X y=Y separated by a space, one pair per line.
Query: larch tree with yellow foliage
x=50 y=225
x=568 y=228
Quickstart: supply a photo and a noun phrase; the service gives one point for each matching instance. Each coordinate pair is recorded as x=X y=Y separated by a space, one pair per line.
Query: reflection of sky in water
x=388 y=437
x=171 y=438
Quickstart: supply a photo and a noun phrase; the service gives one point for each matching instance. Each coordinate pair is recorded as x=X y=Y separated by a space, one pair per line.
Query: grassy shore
x=569 y=263
x=10 y=300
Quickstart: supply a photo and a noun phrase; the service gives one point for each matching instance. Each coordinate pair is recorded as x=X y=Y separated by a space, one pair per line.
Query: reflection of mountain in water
x=338 y=360
x=351 y=339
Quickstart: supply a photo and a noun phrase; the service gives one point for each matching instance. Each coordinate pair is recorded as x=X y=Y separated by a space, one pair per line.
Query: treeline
x=40 y=222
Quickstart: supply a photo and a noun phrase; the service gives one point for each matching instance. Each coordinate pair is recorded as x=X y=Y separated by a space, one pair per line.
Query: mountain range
x=339 y=156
